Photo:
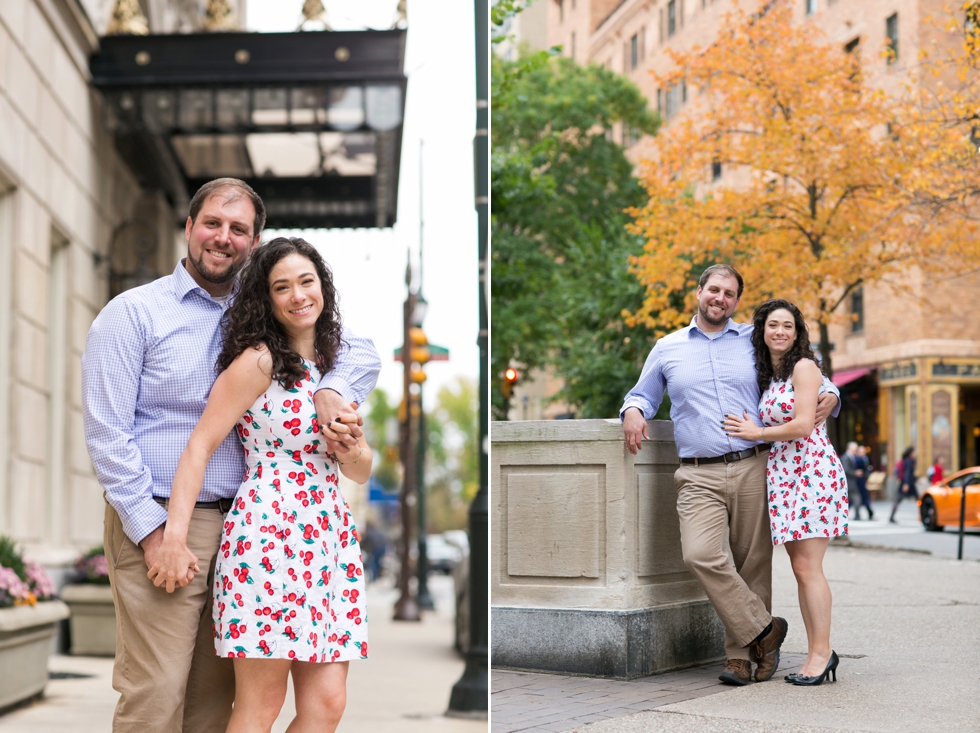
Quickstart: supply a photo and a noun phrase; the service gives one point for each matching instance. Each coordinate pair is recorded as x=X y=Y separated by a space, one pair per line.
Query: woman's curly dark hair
x=251 y=323
x=800 y=349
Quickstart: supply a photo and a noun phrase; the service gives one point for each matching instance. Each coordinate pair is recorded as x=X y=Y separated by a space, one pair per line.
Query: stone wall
x=63 y=192
x=586 y=568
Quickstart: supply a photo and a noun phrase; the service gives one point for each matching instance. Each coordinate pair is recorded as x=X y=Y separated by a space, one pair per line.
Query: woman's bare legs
x=321 y=695
x=815 y=600
x=260 y=689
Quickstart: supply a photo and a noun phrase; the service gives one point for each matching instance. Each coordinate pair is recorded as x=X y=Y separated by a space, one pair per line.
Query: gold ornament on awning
x=314 y=16
x=127 y=18
x=218 y=17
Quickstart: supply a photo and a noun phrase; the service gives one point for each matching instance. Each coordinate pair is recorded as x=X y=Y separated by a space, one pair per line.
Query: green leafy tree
x=560 y=185
x=376 y=424
x=452 y=465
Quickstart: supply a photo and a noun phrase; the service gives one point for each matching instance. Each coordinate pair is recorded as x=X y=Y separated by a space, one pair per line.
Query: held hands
x=171 y=564
x=339 y=421
x=742 y=427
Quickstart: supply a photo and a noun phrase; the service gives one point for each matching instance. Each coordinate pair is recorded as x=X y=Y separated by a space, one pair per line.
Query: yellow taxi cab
x=939 y=505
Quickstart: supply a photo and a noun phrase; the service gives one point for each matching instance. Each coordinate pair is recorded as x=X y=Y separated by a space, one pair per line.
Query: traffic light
x=510 y=379
x=419 y=354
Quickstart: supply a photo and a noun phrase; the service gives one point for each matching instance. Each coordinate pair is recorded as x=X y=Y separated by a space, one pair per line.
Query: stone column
x=586 y=568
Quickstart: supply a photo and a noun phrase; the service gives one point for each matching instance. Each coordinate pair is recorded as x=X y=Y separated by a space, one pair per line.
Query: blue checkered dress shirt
x=706 y=378
x=147 y=371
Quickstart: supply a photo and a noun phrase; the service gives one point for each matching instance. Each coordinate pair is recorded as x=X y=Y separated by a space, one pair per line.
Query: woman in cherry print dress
x=807 y=489
x=289 y=580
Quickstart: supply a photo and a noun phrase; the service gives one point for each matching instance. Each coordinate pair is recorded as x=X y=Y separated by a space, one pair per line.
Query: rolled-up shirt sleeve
x=111 y=368
x=829 y=386
x=649 y=391
x=356 y=370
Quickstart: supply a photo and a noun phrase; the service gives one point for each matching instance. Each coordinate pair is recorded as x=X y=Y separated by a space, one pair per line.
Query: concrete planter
x=93 y=619
x=586 y=569
x=25 y=644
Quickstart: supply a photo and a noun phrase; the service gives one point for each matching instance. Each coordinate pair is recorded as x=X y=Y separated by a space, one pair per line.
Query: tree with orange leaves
x=822 y=177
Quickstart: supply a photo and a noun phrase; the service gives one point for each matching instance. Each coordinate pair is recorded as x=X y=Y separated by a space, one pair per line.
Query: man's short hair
x=220 y=185
x=726 y=271
x=852 y=446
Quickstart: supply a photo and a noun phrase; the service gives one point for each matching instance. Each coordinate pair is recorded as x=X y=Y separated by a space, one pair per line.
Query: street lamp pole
x=406 y=608
x=470 y=693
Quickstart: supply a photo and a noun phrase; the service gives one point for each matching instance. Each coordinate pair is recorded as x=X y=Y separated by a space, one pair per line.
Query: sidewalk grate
x=548 y=703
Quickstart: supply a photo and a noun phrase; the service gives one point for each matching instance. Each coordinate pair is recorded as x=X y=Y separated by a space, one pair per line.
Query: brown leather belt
x=730 y=457
x=223 y=504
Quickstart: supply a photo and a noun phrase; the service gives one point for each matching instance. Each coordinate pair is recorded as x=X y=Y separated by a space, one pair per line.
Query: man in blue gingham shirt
x=147 y=370
x=708 y=368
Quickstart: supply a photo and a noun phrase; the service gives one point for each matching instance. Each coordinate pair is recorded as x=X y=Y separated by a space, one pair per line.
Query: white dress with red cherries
x=807 y=488
x=289 y=580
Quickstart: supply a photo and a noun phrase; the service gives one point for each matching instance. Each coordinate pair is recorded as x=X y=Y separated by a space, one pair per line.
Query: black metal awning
x=311 y=120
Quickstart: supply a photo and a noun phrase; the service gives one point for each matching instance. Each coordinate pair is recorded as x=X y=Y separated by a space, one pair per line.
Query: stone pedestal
x=25 y=644
x=93 y=619
x=586 y=568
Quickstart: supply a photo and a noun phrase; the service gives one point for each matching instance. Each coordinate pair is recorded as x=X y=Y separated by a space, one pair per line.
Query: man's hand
x=634 y=429
x=169 y=564
x=825 y=406
x=339 y=422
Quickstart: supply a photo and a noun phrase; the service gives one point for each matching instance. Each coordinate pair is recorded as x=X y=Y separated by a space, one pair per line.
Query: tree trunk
x=825 y=350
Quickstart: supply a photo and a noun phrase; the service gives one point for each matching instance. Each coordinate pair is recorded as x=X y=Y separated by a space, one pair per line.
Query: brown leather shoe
x=765 y=652
x=737 y=672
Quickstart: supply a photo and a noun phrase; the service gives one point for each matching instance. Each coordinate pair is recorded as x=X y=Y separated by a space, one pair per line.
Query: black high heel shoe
x=792 y=677
x=823 y=676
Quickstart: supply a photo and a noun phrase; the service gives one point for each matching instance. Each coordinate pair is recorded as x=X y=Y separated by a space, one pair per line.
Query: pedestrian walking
x=906 y=477
x=862 y=464
x=936 y=471
x=709 y=368
x=849 y=461
x=806 y=481
x=147 y=371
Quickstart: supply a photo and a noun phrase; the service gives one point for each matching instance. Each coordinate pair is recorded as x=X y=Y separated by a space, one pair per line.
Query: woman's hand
x=742 y=427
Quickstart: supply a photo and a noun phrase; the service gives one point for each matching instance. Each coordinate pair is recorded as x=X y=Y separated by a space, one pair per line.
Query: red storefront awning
x=848 y=375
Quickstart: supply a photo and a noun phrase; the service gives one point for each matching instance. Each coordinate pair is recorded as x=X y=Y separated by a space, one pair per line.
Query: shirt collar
x=730 y=326
x=184 y=283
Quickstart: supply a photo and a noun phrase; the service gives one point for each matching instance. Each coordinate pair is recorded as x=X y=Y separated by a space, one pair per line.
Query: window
x=811 y=7
x=852 y=46
x=891 y=31
x=661 y=25
x=857 y=311
x=643 y=42
x=634 y=52
x=573 y=44
x=673 y=101
x=561 y=11
x=630 y=136
x=715 y=170
x=671 y=18
x=660 y=102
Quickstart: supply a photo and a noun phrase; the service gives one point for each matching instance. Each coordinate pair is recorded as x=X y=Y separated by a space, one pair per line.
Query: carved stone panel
x=658 y=543
x=554 y=523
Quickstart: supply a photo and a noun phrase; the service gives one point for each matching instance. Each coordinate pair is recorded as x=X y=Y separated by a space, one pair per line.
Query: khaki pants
x=166 y=670
x=729 y=497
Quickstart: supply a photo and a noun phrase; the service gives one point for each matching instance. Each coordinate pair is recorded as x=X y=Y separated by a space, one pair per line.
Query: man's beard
x=216 y=278
x=703 y=313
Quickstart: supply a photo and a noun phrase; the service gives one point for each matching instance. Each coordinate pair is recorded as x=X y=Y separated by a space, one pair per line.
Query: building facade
x=906 y=355
x=65 y=195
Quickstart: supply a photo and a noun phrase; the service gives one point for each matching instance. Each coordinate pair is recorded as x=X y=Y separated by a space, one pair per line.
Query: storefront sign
x=898 y=372
x=957 y=371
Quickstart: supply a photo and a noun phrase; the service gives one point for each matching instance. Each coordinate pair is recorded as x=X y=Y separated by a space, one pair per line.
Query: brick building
x=908 y=364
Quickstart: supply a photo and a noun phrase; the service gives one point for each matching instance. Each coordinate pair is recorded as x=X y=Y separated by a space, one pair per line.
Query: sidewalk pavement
x=403 y=688
x=907 y=629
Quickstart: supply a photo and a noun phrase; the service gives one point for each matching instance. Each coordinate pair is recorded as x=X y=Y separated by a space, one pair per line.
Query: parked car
x=441 y=555
x=939 y=505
